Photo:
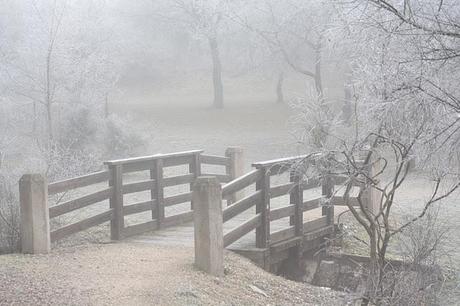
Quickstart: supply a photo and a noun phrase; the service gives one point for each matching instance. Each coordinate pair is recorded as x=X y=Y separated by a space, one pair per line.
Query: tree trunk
x=279 y=88
x=318 y=77
x=216 y=74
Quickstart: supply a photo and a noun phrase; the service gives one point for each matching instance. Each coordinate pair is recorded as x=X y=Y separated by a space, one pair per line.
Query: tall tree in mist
x=205 y=19
x=403 y=66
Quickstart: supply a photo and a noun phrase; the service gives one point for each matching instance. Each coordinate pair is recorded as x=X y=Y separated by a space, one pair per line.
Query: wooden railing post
x=373 y=196
x=296 y=197
x=235 y=169
x=35 y=223
x=116 y=201
x=327 y=191
x=208 y=228
x=159 y=191
x=263 y=208
x=195 y=168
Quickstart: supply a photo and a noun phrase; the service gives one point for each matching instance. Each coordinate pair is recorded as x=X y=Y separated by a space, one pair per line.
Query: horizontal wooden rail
x=242 y=205
x=177 y=199
x=78 y=182
x=152 y=157
x=138 y=186
x=241 y=183
x=139 y=207
x=137 y=229
x=242 y=230
x=178 y=160
x=283 y=234
x=223 y=178
x=282 y=212
x=81 y=225
x=214 y=160
x=314 y=225
x=340 y=201
x=177 y=219
x=312 y=203
x=281 y=190
x=66 y=207
x=178 y=180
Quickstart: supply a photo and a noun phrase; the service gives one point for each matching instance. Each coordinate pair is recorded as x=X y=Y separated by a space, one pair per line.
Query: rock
x=327 y=274
x=258 y=290
x=311 y=266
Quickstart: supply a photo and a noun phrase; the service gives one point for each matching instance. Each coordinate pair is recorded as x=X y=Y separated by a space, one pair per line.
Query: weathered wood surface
x=80 y=202
x=81 y=225
x=78 y=182
x=214 y=160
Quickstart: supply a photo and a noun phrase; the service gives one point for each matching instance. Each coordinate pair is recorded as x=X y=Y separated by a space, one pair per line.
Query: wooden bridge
x=269 y=214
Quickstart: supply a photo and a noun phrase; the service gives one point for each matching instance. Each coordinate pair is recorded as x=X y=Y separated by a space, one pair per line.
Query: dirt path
x=140 y=274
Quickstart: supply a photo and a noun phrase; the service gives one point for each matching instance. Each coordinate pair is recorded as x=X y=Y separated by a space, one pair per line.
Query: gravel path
x=140 y=274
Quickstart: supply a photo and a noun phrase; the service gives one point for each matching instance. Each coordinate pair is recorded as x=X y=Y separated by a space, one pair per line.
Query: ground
x=144 y=274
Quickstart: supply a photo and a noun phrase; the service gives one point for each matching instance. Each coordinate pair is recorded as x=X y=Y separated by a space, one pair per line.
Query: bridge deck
x=183 y=235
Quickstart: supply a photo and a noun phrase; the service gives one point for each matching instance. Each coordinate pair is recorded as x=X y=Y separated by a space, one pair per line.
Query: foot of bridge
x=209 y=242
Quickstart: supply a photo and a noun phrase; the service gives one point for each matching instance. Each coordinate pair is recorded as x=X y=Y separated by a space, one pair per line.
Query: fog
x=83 y=82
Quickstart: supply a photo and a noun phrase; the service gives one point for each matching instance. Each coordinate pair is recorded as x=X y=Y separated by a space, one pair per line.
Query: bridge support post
x=209 y=238
x=116 y=201
x=35 y=223
x=236 y=169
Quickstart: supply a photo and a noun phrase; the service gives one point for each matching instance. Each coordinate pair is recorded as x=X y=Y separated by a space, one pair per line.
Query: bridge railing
x=281 y=197
x=103 y=196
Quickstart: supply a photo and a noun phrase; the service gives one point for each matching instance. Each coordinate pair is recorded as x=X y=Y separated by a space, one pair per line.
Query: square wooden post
x=195 y=168
x=296 y=198
x=263 y=208
x=159 y=191
x=116 y=201
x=235 y=169
x=208 y=228
x=327 y=191
x=35 y=223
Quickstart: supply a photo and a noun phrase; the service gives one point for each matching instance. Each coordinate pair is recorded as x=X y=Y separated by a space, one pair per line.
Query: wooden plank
x=281 y=190
x=195 y=169
x=159 y=191
x=138 y=186
x=151 y=157
x=314 y=225
x=320 y=233
x=286 y=160
x=214 y=160
x=263 y=208
x=223 y=178
x=178 y=219
x=339 y=201
x=81 y=202
x=178 y=160
x=138 y=229
x=138 y=166
x=81 y=225
x=285 y=244
x=116 y=201
x=78 y=182
x=139 y=207
x=178 y=180
x=242 y=229
x=178 y=199
x=313 y=203
x=296 y=199
x=282 y=212
x=241 y=206
x=283 y=234
x=241 y=183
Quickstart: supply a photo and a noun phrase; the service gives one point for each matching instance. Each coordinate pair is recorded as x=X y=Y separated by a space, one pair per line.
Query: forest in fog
x=374 y=78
